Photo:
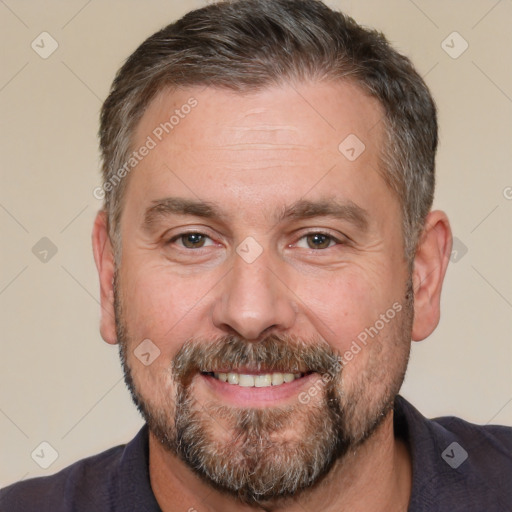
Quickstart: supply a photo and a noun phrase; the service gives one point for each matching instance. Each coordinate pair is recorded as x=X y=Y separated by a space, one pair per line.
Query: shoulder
x=88 y=481
x=457 y=465
x=486 y=449
x=497 y=438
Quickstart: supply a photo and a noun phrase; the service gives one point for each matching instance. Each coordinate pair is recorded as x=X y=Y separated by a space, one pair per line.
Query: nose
x=253 y=301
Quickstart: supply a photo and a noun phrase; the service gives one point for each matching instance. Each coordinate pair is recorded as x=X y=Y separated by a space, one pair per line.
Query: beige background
x=59 y=382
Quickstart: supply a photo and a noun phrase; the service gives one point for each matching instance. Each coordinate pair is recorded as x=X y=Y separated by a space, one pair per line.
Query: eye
x=318 y=241
x=192 y=240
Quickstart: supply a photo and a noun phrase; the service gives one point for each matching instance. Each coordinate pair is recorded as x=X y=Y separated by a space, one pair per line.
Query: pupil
x=319 y=240
x=193 y=239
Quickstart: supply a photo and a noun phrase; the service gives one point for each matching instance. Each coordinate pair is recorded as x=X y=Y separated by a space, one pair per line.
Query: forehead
x=210 y=141
x=313 y=114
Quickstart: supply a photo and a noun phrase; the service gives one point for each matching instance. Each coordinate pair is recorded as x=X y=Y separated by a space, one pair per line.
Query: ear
x=104 y=258
x=430 y=264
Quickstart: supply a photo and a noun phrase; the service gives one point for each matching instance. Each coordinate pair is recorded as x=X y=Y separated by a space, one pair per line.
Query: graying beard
x=254 y=468
x=265 y=471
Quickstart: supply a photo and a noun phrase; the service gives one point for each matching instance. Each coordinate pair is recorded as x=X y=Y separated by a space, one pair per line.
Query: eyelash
x=322 y=233
x=181 y=235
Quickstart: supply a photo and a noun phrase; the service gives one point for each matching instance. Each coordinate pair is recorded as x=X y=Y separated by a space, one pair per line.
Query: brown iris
x=318 y=241
x=193 y=240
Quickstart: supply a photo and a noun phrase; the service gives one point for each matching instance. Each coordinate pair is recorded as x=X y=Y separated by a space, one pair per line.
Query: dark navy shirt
x=457 y=467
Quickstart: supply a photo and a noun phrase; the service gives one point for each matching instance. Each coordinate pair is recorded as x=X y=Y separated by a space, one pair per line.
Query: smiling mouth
x=260 y=380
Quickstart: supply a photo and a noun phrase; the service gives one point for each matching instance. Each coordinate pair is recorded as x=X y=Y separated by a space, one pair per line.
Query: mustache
x=274 y=353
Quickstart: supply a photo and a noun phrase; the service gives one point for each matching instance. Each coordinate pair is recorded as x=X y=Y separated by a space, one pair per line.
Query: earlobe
x=430 y=264
x=104 y=258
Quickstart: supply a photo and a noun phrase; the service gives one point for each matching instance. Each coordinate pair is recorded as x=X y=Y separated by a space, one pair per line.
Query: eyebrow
x=301 y=209
x=168 y=206
x=343 y=210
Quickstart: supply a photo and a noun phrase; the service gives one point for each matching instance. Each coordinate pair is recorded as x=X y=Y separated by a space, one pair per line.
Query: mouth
x=249 y=388
x=256 y=380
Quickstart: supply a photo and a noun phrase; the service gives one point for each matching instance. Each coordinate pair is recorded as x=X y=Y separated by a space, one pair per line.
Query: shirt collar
x=134 y=485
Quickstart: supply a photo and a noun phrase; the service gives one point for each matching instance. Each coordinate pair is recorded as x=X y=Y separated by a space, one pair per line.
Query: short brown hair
x=246 y=45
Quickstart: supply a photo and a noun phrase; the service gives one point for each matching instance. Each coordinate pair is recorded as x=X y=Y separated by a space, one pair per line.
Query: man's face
x=254 y=249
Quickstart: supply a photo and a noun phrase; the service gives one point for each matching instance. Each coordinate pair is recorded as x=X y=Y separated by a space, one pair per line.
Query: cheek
x=147 y=305
x=344 y=305
x=160 y=306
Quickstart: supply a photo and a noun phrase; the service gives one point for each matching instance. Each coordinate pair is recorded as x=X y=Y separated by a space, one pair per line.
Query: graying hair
x=249 y=45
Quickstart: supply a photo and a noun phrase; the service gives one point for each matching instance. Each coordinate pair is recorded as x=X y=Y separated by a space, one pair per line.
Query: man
x=266 y=253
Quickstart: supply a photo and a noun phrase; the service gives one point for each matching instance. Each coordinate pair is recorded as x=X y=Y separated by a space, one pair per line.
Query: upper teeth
x=258 y=381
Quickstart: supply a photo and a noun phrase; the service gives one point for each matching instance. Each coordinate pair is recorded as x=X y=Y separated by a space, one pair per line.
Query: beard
x=262 y=455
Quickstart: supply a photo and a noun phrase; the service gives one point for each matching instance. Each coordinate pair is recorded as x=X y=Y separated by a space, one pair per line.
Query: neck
x=376 y=476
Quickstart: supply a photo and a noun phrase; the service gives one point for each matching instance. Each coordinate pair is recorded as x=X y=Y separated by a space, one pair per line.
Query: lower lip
x=240 y=396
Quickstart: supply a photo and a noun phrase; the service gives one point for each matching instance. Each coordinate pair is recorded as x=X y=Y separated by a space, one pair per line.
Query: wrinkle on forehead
x=262 y=136
x=263 y=146
x=272 y=134
x=319 y=115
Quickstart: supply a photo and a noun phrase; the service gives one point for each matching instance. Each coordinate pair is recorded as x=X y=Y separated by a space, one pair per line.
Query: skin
x=253 y=154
